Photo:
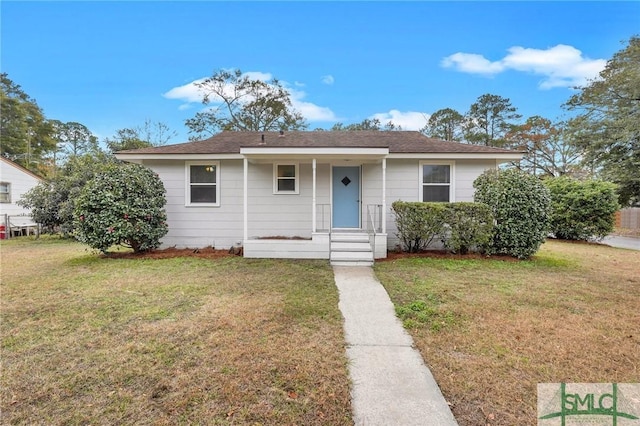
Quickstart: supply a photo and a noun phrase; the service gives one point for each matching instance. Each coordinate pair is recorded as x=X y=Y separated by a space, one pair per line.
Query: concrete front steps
x=350 y=249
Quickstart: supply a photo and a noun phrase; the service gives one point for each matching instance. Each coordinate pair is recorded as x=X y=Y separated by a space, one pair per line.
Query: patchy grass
x=490 y=330
x=94 y=340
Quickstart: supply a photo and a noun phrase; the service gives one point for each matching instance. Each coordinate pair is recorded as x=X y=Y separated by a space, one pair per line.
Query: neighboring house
x=319 y=194
x=15 y=180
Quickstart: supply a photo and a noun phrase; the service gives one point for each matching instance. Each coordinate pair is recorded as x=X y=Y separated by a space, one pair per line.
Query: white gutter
x=506 y=156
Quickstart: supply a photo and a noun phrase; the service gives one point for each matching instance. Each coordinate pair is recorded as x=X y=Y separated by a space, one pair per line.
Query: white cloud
x=561 y=65
x=310 y=111
x=191 y=94
x=408 y=120
x=472 y=63
x=328 y=79
x=188 y=92
x=257 y=75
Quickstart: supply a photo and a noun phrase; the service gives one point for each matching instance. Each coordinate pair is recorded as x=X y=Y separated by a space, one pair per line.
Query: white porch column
x=384 y=195
x=245 y=200
x=314 y=208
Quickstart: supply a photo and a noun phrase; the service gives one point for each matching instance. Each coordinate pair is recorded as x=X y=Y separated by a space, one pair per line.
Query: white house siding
x=466 y=172
x=195 y=226
x=20 y=182
x=284 y=215
x=287 y=215
x=403 y=184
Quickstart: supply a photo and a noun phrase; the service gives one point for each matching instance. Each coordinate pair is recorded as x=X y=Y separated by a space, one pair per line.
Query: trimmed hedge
x=470 y=227
x=520 y=204
x=582 y=210
x=419 y=224
x=461 y=227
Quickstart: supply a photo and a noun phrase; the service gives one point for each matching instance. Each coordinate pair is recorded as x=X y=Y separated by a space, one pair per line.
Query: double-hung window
x=436 y=182
x=5 y=192
x=203 y=183
x=285 y=178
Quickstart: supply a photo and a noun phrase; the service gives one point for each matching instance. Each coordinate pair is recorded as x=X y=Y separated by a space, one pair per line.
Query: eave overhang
x=506 y=156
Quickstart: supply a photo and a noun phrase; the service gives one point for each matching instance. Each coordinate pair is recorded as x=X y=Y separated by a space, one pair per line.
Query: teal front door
x=346 y=197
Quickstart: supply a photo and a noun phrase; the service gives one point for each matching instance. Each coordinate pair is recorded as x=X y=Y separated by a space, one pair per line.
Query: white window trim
x=187 y=181
x=8 y=185
x=296 y=178
x=452 y=177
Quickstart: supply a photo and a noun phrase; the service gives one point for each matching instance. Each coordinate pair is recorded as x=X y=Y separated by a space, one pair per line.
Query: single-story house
x=15 y=181
x=316 y=194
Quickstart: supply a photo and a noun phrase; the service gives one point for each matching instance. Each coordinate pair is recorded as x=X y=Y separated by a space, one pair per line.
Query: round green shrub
x=122 y=205
x=582 y=210
x=520 y=204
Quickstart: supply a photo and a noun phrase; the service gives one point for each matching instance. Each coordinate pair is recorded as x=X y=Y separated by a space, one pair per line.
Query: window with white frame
x=436 y=182
x=285 y=178
x=202 y=183
x=5 y=192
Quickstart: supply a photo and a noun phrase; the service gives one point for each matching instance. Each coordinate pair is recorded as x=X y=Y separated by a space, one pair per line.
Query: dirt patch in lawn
x=441 y=254
x=172 y=252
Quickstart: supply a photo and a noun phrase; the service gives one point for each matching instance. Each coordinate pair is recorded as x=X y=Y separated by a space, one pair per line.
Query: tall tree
x=74 y=138
x=149 y=134
x=26 y=136
x=547 y=151
x=156 y=133
x=608 y=122
x=489 y=119
x=366 y=124
x=240 y=103
x=447 y=124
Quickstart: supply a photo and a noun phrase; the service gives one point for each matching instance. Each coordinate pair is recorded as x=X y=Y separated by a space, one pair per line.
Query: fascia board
x=138 y=157
x=458 y=156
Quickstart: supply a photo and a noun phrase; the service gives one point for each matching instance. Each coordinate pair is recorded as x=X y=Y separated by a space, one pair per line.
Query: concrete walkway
x=631 y=243
x=391 y=385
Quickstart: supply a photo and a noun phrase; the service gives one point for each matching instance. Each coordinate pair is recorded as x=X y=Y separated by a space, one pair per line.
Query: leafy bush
x=470 y=227
x=52 y=203
x=43 y=201
x=419 y=224
x=581 y=210
x=520 y=204
x=122 y=205
x=460 y=226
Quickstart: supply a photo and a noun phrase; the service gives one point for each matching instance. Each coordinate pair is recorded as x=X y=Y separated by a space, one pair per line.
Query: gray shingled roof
x=396 y=141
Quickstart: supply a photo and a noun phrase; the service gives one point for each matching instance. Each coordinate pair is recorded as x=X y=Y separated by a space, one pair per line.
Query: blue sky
x=111 y=65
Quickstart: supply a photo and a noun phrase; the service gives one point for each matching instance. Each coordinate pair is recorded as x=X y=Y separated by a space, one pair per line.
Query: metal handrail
x=374 y=226
x=323 y=215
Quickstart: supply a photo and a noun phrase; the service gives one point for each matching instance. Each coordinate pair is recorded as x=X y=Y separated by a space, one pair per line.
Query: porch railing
x=323 y=217
x=374 y=223
x=374 y=217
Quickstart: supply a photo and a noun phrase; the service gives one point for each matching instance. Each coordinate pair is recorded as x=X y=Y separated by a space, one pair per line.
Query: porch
x=340 y=246
x=334 y=223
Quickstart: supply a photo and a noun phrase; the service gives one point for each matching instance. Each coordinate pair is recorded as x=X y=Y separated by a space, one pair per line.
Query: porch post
x=245 y=200
x=313 y=208
x=384 y=195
